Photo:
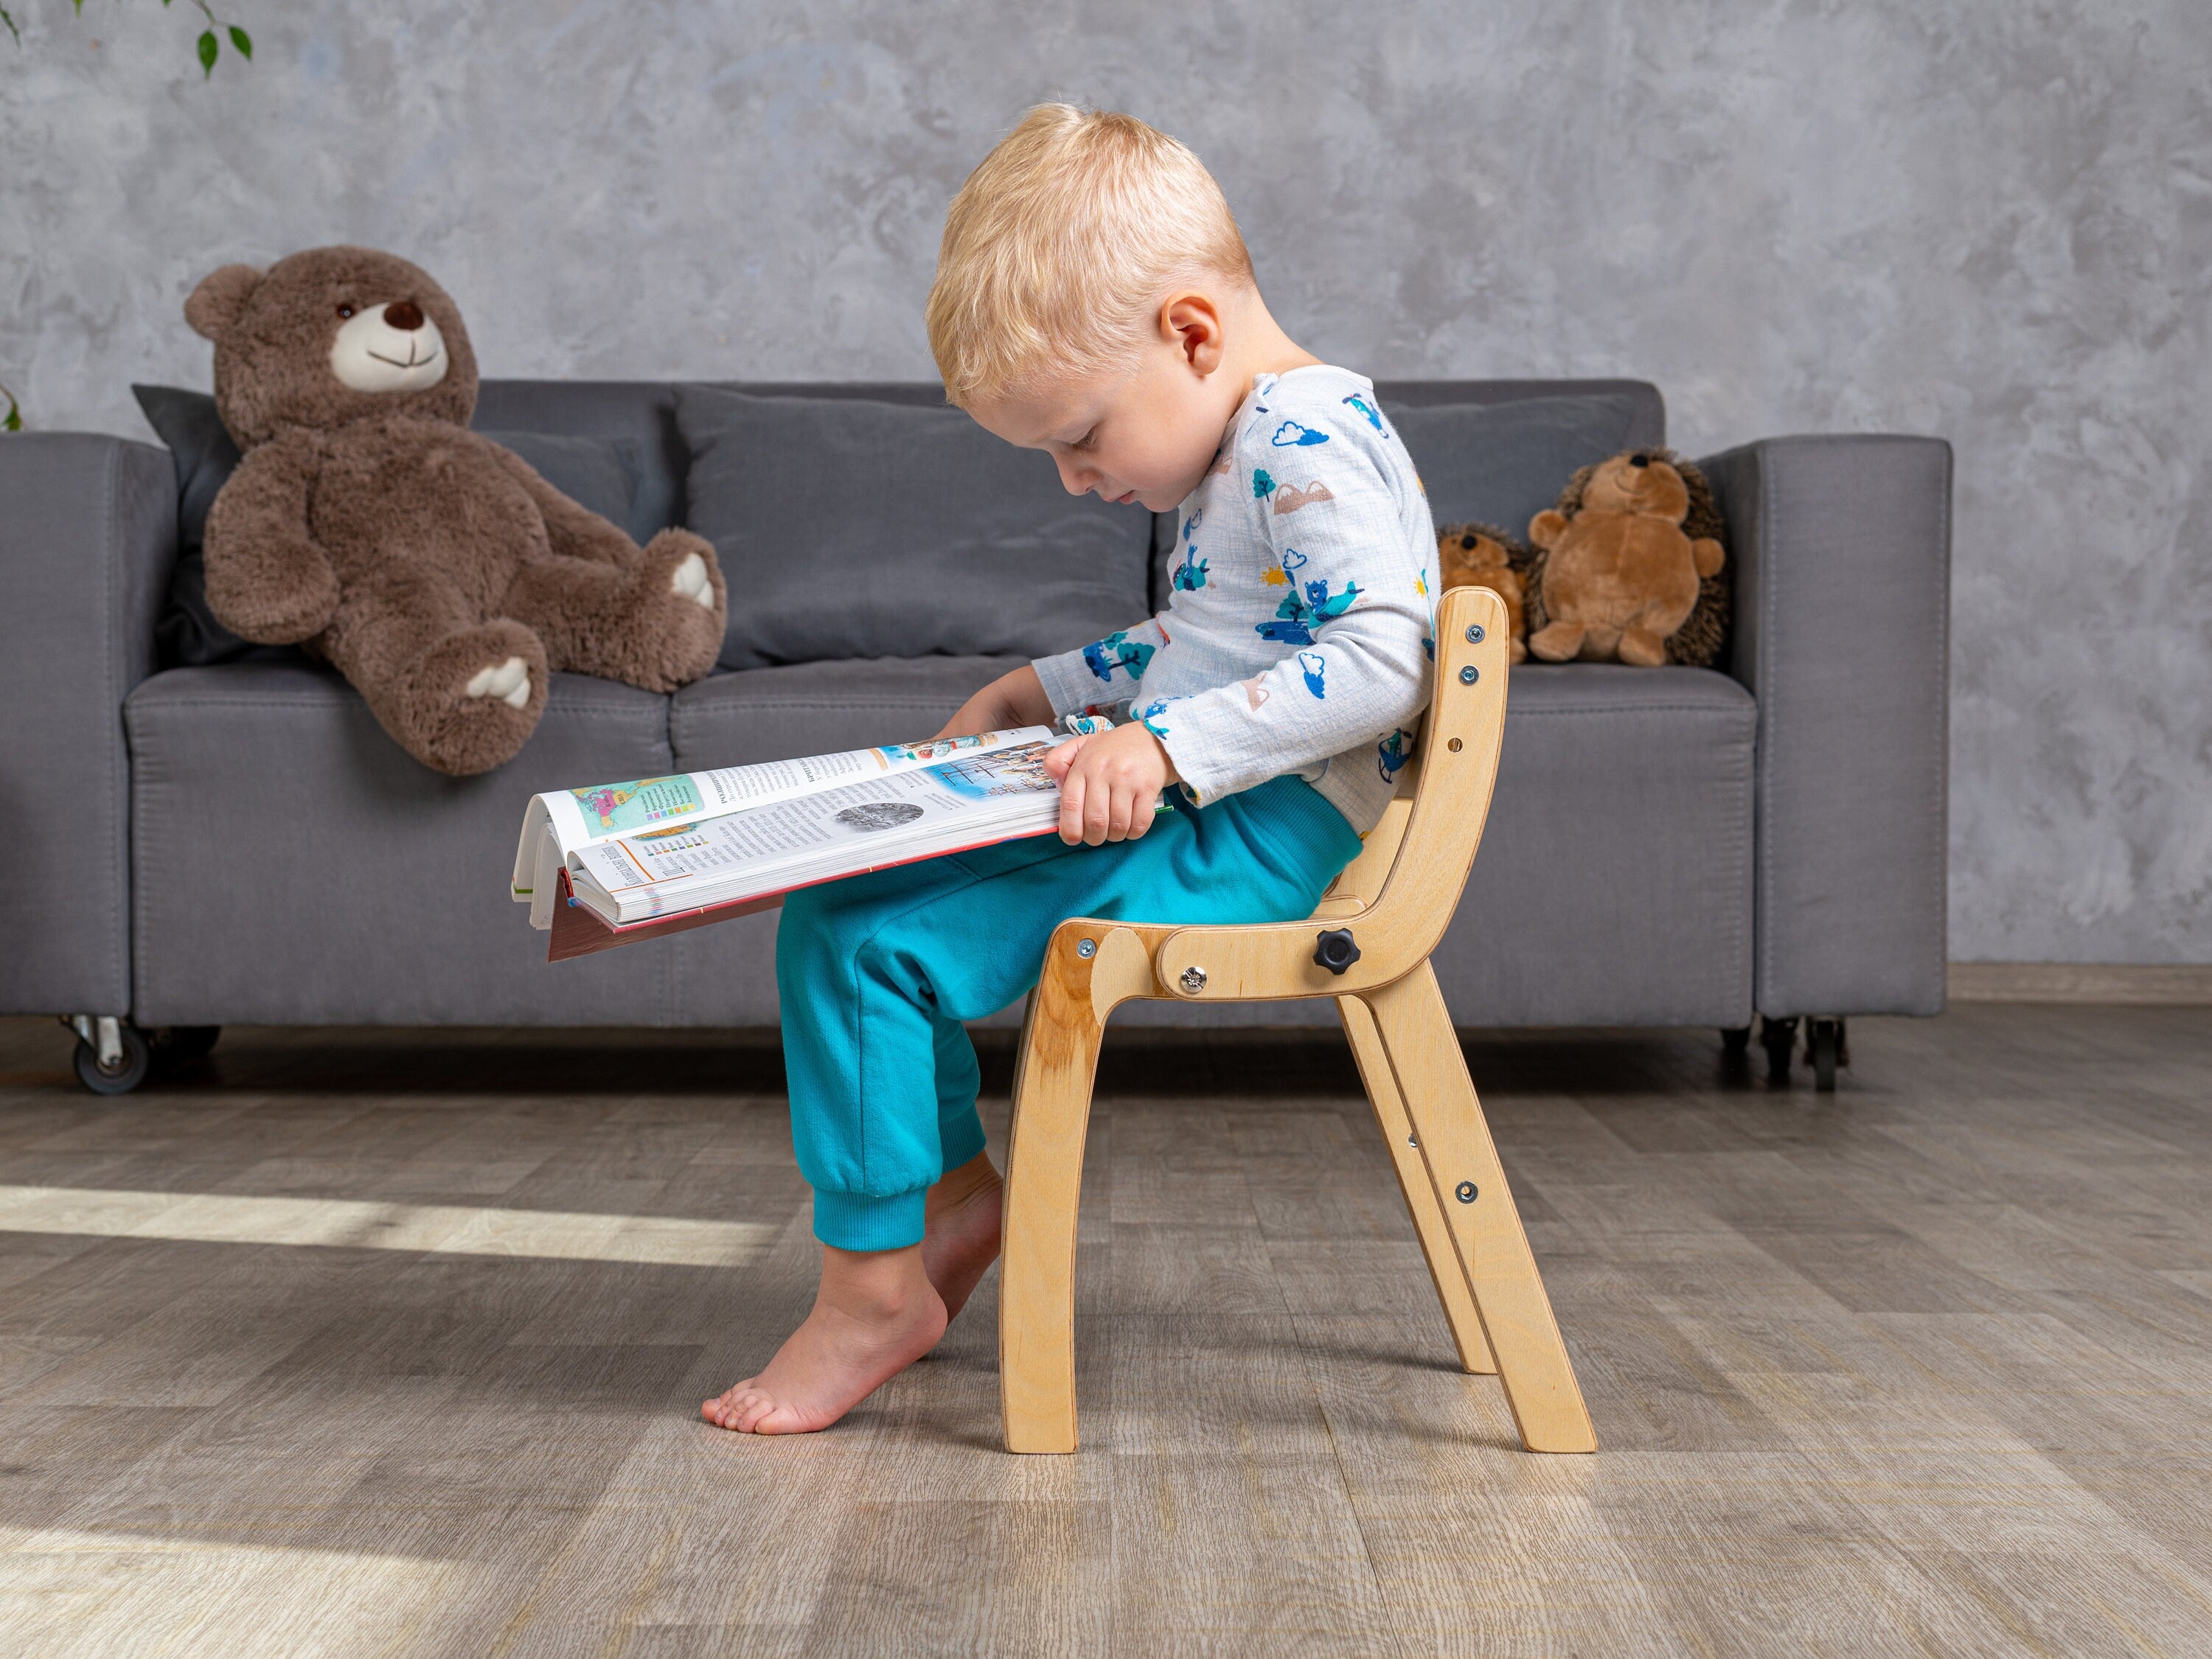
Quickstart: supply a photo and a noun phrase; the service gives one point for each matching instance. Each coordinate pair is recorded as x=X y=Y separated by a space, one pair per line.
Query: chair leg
x=1469 y=1184
x=1429 y=1221
x=1044 y=1177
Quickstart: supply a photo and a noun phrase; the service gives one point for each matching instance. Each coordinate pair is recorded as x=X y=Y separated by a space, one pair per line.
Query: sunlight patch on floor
x=92 y=1593
x=447 y=1229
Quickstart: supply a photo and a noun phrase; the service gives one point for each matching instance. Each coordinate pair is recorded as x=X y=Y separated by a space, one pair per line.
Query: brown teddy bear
x=435 y=569
x=1476 y=555
x=1630 y=556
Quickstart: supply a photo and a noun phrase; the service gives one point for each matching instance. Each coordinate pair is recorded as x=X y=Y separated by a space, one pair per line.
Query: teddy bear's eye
x=345 y=311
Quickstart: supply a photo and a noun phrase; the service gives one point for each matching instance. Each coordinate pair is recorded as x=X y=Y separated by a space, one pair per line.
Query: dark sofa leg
x=1736 y=1041
x=1779 y=1038
x=1826 y=1041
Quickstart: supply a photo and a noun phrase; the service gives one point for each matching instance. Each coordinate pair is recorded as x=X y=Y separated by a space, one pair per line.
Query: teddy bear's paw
x=691 y=580
x=508 y=681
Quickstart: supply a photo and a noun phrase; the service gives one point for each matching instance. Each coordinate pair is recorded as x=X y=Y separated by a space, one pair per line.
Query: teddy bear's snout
x=405 y=315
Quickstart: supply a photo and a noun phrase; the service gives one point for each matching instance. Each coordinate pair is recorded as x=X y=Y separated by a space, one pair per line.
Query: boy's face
x=1145 y=431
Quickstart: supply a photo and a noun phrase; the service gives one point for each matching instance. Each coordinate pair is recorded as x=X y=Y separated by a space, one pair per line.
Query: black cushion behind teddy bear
x=601 y=474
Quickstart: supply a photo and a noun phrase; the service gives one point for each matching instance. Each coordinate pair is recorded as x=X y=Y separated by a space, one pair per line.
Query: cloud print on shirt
x=1291 y=497
x=1289 y=432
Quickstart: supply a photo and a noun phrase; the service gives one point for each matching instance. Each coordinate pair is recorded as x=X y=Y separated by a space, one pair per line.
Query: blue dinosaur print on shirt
x=1314 y=666
x=1291 y=433
x=1263 y=485
x=1190 y=575
x=1118 y=650
x=1390 y=755
x=1368 y=409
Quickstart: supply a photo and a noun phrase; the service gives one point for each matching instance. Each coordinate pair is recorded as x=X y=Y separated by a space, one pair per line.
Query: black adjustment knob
x=1333 y=949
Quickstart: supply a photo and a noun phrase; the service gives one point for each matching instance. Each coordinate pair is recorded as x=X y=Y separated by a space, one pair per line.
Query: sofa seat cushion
x=849 y=528
x=820 y=708
x=292 y=865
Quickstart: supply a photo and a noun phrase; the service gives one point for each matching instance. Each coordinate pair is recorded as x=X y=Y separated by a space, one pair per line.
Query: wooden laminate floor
x=359 y=1343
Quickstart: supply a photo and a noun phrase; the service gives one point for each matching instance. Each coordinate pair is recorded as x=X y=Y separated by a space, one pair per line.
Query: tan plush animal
x=1620 y=577
x=1483 y=556
x=435 y=569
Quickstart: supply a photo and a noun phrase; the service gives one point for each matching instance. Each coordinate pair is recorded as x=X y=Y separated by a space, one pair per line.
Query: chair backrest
x=1399 y=893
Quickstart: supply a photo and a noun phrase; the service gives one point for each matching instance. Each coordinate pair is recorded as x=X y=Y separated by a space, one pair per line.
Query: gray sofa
x=195 y=845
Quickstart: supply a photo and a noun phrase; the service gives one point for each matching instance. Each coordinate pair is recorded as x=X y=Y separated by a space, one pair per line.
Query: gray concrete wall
x=1980 y=219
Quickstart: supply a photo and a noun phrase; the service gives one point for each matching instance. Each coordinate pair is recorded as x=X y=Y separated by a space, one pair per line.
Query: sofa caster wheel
x=1736 y=1041
x=1825 y=1040
x=1779 y=1038
x=113 y=1055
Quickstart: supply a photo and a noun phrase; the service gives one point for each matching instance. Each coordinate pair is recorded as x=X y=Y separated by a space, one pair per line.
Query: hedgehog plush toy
x=1631 y=567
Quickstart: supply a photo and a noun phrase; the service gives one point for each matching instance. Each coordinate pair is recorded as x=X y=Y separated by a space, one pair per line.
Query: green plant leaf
x=15 y=420
x=209 y=47
x=243 y=41
x=10 y=22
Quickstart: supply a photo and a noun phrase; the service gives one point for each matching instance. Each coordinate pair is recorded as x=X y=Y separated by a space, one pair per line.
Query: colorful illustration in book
x=1018 y=771
x=1290 y=434
x=640 y=803
x=1118 y=650
x=1390 y=755
x=1313 y=665
x=931 y=749
x=1291 y=497
x=1367 y=409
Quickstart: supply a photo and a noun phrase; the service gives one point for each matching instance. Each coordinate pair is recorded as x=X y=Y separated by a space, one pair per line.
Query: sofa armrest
x=1842 y=549
x=87 y=537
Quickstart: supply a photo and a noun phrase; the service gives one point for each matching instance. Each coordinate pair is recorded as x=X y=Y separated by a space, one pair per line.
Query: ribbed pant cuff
x=869 y=1221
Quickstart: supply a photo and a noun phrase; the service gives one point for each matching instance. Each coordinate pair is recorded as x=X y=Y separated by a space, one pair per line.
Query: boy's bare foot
x=963 y=1240
x=875 y=1314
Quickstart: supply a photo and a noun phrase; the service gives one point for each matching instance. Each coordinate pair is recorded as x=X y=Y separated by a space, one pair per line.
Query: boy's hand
x=1014 y=699
x=1108 y=784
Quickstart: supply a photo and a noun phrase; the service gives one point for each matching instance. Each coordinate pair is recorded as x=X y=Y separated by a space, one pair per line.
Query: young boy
x=1093 y=300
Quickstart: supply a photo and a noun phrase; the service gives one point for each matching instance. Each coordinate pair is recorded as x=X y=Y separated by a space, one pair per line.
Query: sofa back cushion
x=849 y=527
x=1505 y=463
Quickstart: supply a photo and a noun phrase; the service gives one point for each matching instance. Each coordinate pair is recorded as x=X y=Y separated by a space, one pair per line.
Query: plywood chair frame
x=1394 y=900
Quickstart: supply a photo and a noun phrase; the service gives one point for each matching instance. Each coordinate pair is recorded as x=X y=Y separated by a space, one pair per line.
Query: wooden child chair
x=1378 y=923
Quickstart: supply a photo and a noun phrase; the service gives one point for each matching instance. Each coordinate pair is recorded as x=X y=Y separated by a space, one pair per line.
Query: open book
x=699 y=846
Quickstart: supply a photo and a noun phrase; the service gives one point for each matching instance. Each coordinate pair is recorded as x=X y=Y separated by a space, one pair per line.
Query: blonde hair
x=1060 y=244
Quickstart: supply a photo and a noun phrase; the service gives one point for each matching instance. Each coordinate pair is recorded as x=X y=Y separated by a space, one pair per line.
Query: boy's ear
x=1191 y=323
x=214 y=306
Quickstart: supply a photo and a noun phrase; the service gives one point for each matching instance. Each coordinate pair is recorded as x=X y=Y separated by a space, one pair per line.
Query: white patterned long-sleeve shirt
x=1298 y=638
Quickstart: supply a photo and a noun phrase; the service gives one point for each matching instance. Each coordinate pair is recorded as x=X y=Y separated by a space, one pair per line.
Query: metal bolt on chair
x=1370 y=951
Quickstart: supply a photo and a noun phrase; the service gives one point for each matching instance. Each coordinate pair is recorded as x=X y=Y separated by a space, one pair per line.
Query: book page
x=600 y=813
x=851 y=826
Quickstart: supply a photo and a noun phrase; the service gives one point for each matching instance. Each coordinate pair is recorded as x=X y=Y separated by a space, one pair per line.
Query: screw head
x=1469 y=675
x=1464 y=1192
x=1414 y=1141
x=1194 y=979
x=1475 y=633
x=1086 y=948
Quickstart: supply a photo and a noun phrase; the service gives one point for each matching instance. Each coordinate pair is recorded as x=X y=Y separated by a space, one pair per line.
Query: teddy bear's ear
x=215 y=304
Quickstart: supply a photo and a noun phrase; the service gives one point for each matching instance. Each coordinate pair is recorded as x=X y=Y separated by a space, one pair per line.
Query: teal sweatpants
x=877 y=972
